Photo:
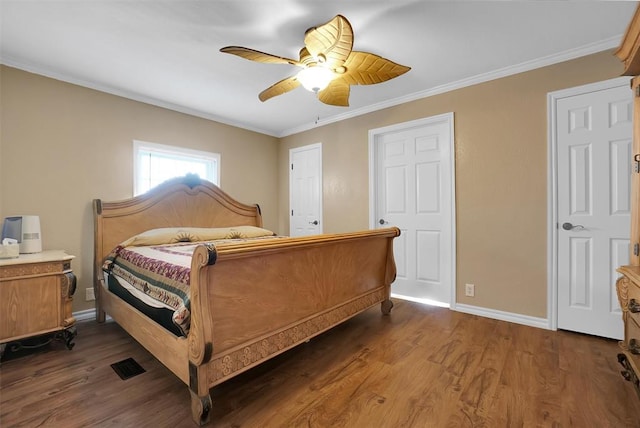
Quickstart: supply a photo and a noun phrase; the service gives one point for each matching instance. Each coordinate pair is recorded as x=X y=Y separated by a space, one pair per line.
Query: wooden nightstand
x=35 y=298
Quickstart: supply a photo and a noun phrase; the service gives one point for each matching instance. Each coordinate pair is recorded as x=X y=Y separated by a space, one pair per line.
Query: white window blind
x=156 y=163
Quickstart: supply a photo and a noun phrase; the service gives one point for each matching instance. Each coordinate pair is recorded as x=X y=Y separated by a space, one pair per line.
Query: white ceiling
x=166 y=53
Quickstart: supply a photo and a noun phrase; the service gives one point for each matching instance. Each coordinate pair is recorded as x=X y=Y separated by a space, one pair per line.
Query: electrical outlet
x=90 y=295
x=469 y=290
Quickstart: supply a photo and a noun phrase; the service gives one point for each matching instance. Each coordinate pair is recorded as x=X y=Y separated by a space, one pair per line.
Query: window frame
x=139 y=145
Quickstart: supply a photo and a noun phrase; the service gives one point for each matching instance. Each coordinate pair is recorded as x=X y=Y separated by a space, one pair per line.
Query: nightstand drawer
x=632 y=336
x=633 y=304
x=20 y=316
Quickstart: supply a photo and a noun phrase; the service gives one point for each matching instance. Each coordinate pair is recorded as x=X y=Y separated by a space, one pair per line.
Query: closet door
x=634 y=257
x=414 y=191
x=594 y=144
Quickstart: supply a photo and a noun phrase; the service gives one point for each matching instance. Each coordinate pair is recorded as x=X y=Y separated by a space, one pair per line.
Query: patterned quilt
x=163 y=271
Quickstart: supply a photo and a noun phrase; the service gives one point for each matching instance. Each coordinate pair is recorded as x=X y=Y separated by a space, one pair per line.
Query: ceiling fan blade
x=365 y=68
x=332 y=42
x=282 y=87
x=336 y=93
x=254 y=55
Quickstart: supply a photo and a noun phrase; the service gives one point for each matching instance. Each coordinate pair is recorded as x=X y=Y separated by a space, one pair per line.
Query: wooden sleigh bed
x=249 y=301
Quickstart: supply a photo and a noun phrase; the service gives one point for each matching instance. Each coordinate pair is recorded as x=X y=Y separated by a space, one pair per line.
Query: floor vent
x=127 y=368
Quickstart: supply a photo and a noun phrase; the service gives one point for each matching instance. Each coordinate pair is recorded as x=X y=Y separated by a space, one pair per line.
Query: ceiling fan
x=329 y=66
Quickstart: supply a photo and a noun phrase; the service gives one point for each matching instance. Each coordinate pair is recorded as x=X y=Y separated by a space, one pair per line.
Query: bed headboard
x=183 y=201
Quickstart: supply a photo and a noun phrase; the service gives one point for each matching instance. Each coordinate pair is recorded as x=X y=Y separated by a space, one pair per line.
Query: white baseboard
x=86 y=315
x=503 y=316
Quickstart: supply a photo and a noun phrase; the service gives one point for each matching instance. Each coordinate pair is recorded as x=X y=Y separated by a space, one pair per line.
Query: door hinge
x=291 y=167
x=637 y=91
x=291 y=212
x=636 y=163
x=636 y=249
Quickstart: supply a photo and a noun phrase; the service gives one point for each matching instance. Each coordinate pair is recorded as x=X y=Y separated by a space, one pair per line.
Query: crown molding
x=592 y=48
x=585 y=50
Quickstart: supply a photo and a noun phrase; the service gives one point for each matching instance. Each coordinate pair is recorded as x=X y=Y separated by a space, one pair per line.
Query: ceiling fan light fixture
x=329 y=64
x=315 y=79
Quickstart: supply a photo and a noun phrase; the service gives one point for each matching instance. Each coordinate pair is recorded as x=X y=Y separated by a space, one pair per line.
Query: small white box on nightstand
x=9 y=251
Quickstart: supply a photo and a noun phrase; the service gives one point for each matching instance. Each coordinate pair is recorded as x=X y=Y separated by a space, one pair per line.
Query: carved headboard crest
x=192 y=180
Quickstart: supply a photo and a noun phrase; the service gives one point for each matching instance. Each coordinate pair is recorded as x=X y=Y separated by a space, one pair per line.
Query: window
x=155 y=163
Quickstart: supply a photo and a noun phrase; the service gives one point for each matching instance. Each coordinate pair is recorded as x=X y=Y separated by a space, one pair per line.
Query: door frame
x=373 y=191
x=293 y=150
x=552 y=186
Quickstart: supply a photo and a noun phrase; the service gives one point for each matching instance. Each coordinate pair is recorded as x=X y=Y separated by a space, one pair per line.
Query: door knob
x=382 y=221
x=314 y=222
x=569 y=226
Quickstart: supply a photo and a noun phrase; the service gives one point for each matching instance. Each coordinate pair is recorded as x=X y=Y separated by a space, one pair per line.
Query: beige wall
x=501 y=177
x=63 y=145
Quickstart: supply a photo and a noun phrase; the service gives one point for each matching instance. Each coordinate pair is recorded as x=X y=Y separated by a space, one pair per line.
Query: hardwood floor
x=421 y=367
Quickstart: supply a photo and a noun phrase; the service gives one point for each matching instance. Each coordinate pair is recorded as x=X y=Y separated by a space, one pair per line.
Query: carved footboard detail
x=235 y=361
x=200 y=338
x=386 y=306
x=200 y=408
x=390 y=276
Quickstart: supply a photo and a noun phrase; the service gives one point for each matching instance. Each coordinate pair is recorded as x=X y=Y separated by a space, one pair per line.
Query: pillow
x=171 y=235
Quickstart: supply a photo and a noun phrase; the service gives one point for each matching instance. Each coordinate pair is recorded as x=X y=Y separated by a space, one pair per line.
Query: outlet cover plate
x=469 y=290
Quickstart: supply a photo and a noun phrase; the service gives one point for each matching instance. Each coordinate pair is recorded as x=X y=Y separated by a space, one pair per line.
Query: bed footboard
x=253 y=301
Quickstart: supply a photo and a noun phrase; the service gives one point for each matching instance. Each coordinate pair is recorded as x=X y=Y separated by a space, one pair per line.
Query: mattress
x=156 y=311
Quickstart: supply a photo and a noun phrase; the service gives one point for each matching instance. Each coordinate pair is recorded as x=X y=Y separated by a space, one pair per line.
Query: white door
x=594 y=135
x=413 y=190
x=305 y=184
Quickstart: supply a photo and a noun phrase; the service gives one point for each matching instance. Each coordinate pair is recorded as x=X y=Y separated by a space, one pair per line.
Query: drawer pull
x=634 y=346
x=622 y=359
x=634 y=306
x=628 y=373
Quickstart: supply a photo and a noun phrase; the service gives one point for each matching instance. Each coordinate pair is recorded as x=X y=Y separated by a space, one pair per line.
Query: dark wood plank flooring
x=421 y=367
